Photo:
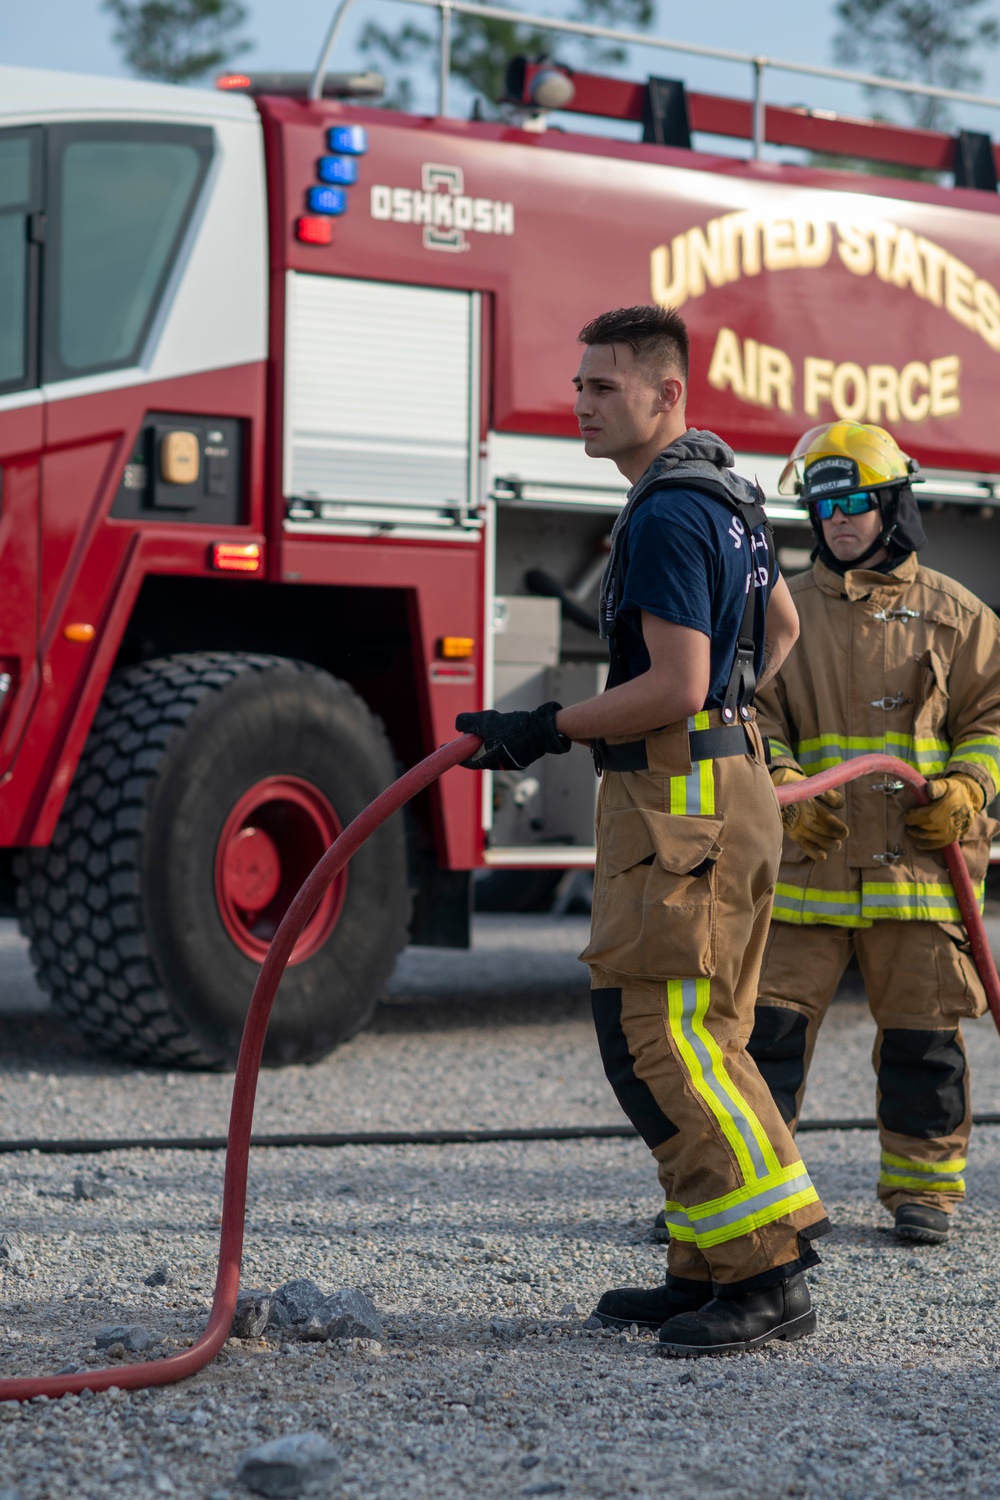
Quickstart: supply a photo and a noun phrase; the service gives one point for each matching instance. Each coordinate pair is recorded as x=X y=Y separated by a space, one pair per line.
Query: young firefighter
x=894 y=658
x=688 y=839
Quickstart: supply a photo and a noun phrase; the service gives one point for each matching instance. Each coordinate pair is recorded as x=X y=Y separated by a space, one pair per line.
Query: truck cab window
x=119 y=205
x=19 y=172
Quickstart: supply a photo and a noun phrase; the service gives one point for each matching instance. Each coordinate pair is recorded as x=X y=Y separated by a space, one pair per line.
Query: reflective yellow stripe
x=758 y=1219
x=913 y=900
x=744 y=1210
x=682 y=1232
x=957 y=1164
x=921 y=1184
x=825 y=750
x=695 y=793
x=701 y=1057
x=805 y=907
x=981 y=750
x=707 y=770
x=876 y=901
x=713 y=1206
x=922 y=1176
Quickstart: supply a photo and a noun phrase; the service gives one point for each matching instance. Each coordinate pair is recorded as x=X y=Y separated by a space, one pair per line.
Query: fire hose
x=179 y=1366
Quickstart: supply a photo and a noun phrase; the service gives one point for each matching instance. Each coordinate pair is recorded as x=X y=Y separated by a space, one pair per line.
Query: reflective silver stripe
x=931 y=907
x=747 y=1206
x=730 y=1103
x=896 y=1167
x=830 y=751
x=835 y=905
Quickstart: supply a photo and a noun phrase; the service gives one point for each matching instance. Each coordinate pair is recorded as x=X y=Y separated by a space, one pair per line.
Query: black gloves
x=513 y=741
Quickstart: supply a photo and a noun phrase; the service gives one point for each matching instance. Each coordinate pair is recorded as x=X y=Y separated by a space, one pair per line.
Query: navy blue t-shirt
x=688 y=562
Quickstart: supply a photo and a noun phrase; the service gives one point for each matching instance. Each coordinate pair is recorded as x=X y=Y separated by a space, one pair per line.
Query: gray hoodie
x=694 y=456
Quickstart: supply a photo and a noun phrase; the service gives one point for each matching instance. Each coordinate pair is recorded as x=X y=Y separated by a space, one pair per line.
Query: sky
x=75 y=35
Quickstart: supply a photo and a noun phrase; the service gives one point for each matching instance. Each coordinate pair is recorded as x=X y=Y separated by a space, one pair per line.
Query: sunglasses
x=855 y=504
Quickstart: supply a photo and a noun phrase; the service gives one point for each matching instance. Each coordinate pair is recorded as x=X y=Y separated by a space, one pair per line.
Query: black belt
x=704 y=744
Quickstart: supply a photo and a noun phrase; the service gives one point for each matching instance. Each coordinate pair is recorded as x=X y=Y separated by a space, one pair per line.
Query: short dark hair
x=657 y=336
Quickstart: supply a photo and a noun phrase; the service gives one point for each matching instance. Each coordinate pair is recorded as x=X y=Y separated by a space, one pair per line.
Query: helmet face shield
x=839 y=458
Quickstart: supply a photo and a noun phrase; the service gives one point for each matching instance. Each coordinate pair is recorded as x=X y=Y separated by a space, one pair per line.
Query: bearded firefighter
x=896 y=659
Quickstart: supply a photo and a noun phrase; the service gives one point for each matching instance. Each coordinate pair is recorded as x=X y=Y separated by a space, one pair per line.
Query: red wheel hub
x=272 y=838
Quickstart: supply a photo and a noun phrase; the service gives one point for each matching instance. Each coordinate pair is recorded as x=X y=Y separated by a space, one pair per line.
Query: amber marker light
x=456 y=647
x=236 y=557
x=79 y=632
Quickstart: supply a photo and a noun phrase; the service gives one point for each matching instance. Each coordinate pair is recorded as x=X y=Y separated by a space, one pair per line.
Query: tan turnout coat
x=905 y=663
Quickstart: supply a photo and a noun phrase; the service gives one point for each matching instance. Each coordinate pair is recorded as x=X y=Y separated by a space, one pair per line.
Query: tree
x=481 y=47
x=918 y=41
x=178 y=41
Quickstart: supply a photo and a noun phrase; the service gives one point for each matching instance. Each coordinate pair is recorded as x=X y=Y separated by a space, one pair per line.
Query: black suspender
x=742 y=678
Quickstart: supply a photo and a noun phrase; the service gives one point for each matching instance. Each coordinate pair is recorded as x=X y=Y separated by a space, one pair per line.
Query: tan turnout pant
x=686 y=861
x=920 y=981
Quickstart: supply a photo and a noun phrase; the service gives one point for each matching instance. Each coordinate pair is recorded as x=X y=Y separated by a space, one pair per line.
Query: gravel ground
x=484 y=1382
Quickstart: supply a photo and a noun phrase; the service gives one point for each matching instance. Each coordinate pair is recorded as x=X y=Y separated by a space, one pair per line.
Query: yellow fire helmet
x=838 y=457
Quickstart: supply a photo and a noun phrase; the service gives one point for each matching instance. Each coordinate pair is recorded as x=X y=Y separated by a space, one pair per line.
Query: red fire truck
x=290 y=477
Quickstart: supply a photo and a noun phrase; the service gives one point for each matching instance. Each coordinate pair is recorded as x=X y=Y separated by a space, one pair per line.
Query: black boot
x=650 y=1306
x=730 y=1325
x=917 y=1222
x=660 y=1230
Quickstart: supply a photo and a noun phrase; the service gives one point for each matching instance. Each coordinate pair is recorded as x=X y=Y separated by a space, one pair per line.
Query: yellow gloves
x=813 y=827
x=955 y=801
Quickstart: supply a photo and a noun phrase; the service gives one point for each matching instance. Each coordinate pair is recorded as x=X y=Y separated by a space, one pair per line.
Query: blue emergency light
x=326 y=200
x=348 y=140
x=341 y=169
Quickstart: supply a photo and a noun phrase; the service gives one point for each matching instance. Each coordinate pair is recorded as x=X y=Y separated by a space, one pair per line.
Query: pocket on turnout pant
x=654 y=894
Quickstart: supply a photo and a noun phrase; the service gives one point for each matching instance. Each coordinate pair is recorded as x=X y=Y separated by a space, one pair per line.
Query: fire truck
x=290 y=477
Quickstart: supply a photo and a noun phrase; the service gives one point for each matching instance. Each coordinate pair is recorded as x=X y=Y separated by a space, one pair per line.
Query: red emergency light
x=236 y=557
x=314 y=229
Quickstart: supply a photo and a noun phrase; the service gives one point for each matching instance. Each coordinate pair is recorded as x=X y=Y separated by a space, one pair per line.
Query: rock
x=593 y=1322
x=347 y=1314
x=253 y=1308
x=568 y=1310
x=504 y=1329
x=9 y=1494
x=159 y=1277
x=303 y=1463
x=293 y=1303
x=133 y=1338
x=67 y=1369
x=86 y=1189
x=12 y=1257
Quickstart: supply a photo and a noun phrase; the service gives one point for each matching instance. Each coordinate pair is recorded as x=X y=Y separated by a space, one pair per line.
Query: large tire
x=142 y=912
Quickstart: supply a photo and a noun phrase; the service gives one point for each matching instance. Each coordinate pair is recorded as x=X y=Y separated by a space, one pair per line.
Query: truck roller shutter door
x=380 y=381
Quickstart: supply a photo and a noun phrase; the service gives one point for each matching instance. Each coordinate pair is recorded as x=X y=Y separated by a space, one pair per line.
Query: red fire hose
x=965 y=894
x=179 y=1366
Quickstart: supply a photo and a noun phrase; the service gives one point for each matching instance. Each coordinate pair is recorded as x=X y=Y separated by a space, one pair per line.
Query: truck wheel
x=517 y=890
x=209 y=787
